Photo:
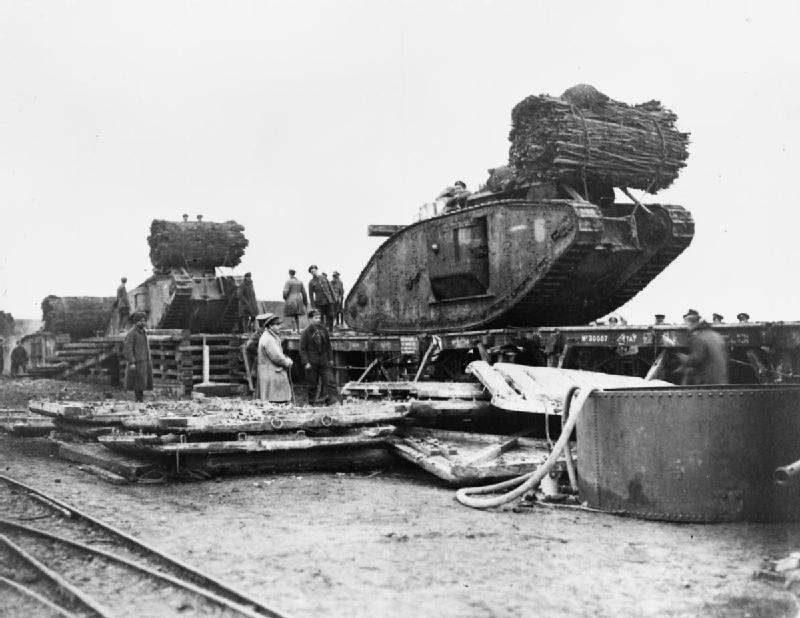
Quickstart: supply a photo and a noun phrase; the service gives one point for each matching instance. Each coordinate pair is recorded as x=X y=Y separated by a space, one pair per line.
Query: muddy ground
x=394 y=542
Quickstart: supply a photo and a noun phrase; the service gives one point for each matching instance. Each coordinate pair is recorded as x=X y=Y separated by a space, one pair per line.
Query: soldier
x=456 y=196
x=273 y=365
x=295 y=299
x=321 y=295
x=338 y=294
x=317 y=356
x=716 y=318
x=659 y=319
x=123 y=305
x=707 y=361
x=743 y=317
x=248 y=305
x=139 y=373
x=19 y=359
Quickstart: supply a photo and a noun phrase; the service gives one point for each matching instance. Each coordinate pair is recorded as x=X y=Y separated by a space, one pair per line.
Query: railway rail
x=57 y=561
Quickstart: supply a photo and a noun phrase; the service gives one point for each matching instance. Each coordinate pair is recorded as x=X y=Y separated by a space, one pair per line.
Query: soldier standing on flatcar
x=295 y=299
x=123 y=304
x=338 y=292
x=321 y=295
x=248 y=305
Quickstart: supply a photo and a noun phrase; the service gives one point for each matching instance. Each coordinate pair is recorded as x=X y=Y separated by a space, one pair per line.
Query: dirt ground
x=394 y=542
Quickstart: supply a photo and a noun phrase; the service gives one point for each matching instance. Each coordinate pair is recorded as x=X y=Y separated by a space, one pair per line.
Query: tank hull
x=515 y=262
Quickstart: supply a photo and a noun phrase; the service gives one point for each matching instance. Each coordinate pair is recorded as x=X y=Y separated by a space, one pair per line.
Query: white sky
x=306 y=121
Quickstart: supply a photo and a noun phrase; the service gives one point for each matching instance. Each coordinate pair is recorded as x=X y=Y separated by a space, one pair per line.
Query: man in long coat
x=248 y=305
x=321 y=294
x=19 y=359
x=273 y=364
x=317 y=357
x=338 y=296
x=139 y=372
x=707 y=361
x=295 y=299
x=123 y=304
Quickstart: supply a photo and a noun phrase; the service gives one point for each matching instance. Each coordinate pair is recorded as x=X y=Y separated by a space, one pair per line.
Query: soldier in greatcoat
x=136 y=349
x=707 y=361
x=248 y=305
x=19 y=359
x=338 y=299
x=273 y=365
x=295 y=299
x=321 y=295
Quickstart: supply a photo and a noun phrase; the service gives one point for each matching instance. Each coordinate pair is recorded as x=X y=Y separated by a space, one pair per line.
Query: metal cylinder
x=784 y=473
x=703 y=453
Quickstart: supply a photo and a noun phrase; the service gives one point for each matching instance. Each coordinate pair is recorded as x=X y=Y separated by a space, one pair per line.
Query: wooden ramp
x=461 y=458
x=541 y=390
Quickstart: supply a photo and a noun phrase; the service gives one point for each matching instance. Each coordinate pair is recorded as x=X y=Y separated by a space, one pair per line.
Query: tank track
x=681 y=234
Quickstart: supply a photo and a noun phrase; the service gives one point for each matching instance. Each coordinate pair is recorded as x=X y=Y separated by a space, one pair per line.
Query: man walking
x=136 y=349
x=19 y=359
x=123 y=304
x=321 y=294
x=707 y=361
x=317 y=357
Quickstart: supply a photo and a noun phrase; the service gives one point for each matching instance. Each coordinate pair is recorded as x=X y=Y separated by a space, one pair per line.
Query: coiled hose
x=527 y=481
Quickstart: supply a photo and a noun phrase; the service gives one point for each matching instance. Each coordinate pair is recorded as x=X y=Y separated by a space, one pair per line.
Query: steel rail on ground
x=195 y=576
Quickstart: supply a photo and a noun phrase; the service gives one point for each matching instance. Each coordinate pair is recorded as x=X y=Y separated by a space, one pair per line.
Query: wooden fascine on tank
x=515 y=259
x=186 y=291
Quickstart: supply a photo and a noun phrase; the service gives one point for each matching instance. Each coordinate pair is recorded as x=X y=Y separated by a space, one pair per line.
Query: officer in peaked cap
x=717 y=318
x=743 y=317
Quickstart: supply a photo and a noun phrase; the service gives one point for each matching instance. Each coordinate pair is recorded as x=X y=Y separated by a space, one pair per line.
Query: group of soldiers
x=273 y=366
x=325 y=296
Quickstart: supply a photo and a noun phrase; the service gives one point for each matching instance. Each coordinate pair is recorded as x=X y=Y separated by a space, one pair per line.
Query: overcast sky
x=307 y=121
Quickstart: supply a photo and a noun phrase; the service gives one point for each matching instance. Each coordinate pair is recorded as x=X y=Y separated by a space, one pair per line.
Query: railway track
x=58 y=561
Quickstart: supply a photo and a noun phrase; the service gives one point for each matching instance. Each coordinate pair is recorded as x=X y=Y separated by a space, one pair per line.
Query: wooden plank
x=96 y=360
x=383 y=230
x=450 y=390
x=491 y=452
x=106 y=475
x=422 y=390
x=97 y=455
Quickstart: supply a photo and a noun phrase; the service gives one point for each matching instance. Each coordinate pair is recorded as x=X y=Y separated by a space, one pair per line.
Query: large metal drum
x=691 y=453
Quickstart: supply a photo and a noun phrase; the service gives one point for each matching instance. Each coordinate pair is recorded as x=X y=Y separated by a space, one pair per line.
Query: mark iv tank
x=515 y=259
x=185 y=291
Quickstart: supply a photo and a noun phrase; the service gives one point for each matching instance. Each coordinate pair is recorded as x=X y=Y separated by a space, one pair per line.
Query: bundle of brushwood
x=584 y=136
x=6 y=324
x=77 y=316
x=199 y=245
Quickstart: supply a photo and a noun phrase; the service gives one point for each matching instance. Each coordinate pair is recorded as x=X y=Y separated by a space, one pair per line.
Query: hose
x=526 y=482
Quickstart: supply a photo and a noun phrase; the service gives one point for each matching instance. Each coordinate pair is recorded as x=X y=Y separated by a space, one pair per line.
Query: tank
x=186 y=290
x=515 y=260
